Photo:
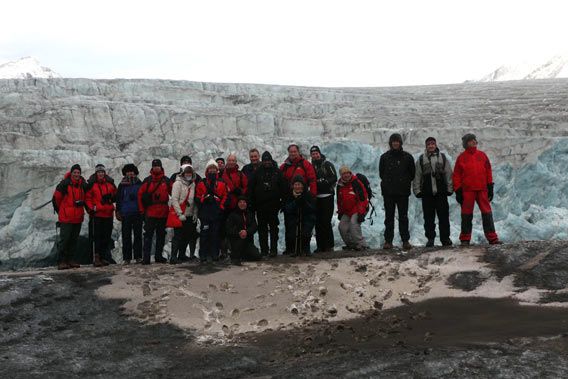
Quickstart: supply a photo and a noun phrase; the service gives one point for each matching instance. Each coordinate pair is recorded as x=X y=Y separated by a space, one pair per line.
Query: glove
x=118 y=216
x=182 y=218
x=360 y=218
x=419 y=195
x=449 y=194
x=459 y=196
x=490 y=191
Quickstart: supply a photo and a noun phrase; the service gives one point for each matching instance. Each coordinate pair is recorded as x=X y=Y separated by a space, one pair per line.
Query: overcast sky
x=306 y=42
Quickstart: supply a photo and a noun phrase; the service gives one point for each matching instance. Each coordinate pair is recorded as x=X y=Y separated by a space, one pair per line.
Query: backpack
x=422 y=161
x=365 y=181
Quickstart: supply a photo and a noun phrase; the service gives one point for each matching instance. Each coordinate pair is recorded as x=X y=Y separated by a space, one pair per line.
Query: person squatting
x=227 y=206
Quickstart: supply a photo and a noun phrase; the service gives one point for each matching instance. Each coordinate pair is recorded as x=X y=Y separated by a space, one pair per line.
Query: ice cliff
x=48 y=124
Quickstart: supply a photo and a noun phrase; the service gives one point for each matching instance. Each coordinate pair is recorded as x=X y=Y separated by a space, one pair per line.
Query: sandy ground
x=217 y=303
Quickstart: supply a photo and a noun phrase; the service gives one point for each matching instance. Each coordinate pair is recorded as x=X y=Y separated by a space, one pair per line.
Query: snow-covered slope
x=24 y=68
x=47 y=125
x=556 y=67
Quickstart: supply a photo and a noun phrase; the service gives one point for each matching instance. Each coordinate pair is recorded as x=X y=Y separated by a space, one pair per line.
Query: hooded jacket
x=65 y=197
x=326 y=176
x=352 y=197
x=102 y=195
x=397 y=170
x=300 y=166
x=158 y=187
x=127 y=196
x=236 y=183
x=301 y=209
x=241 y=220
x=211 y=196
x=472 y=171
x=433 y=175
x=268 y=188
x=181 y=190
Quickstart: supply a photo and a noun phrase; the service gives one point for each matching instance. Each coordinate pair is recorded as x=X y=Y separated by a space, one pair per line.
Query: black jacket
x=239 y=220
x=326 y=176
x=396 y=169
x=302 y=209
x=249 y=170
x=267 y=188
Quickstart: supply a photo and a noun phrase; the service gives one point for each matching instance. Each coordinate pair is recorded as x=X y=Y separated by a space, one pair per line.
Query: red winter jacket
x=472 y=171
x=220 y=192
x=66 y=194
x=352 y=197
x=158 y=186
x=236 y=183
x=95 y=195
x=301 y=167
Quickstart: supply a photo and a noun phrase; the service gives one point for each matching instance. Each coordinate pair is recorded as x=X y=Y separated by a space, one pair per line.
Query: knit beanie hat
x=130 y=167
x=395 y=137
x=100 y=167
x=315 y=148
x=76 y=167
x=429 y=139
x=186 y=168
x=298 y=179
x=210 y=164
x=156 y=163
x=468 y=137
x=266 y=156
x=220 y=159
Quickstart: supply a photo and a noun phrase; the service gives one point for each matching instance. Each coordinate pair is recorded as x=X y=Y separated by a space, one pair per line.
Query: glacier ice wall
x=48 y=124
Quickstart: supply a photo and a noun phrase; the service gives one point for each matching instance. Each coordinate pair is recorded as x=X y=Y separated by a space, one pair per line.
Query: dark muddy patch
x=466 y=280
x=538 y=264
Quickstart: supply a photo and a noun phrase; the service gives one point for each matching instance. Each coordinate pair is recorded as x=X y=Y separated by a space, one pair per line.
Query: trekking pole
x=92 y=232
x=57 y=242
x=41 y=206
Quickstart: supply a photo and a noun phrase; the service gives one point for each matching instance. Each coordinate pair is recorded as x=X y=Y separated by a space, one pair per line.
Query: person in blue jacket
x=129 y=214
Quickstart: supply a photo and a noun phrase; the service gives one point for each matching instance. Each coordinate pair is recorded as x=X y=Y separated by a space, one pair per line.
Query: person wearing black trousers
x=128 y=213
x=325 y=200
x=241 y=227
x=396 y=169
x=433 y=184
x=300 y=212
x=267 y=189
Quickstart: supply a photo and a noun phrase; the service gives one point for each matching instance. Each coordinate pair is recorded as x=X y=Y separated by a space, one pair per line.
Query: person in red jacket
x=69 y=203
x=153 y=198
x=352 y=204
x=473 y=182
x=100 y=200
x=235 y=181
x=296 y=165
x=211 y=197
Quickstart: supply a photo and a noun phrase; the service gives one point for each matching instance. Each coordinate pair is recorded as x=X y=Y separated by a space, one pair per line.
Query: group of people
x=227 y=206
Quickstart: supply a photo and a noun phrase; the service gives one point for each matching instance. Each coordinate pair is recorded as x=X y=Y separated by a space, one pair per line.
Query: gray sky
x=308 y=42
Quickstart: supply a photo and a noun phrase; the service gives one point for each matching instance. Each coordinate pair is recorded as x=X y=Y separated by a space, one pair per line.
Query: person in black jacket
x=300 y=212
x=267 y=189
x=241 y=227
x=396 y=169
x=325 y=205
x=255 y=163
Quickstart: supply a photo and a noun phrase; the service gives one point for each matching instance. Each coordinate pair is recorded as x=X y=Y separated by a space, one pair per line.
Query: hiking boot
x=446 y=242
x=464 y=243
x=138 y=260
x=63 y=266
x=387 y=246
x=174 y=261
x=126 y=262
x=406 y=245
x=145 y=262
x=98 y=262
x=236 y=262
x=273 y=254
x=183 y=258
x=160 y=259
x=495 y=242
x=347 y=248
x=111 y=261
x=73 y=264
x=430 y=243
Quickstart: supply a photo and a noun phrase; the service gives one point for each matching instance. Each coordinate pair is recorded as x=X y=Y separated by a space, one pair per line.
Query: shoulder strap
x=357 y=187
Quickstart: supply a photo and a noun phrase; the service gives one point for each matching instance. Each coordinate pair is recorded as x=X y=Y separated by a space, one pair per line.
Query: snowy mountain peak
x=24 y=68
x=557 y=67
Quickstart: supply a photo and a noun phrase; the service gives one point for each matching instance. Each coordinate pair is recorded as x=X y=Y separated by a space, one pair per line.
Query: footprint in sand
x=235 y=313
x=213 y=287
x=263 y=322
x=146 y=290
x=219 y=306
